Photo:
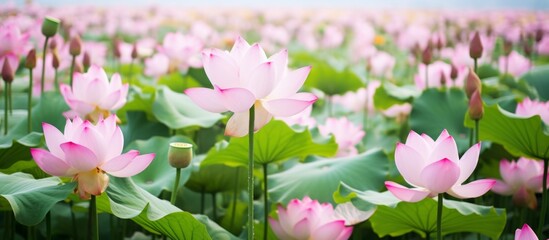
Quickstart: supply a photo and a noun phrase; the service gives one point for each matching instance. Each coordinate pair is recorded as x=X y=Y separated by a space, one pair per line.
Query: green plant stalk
x=475 y=65
x=93 y=231
x=235 y=197
x=426 y=76
x=366 y=103
x=10 y=102
x=543 y=200
x=56 y=81
x=251 y=173
x=29 y=118
x=477 y=131
x=73 y=220
x=44 y=65
x=6 y=108
x=131 y=73
x=265 y=203
x=214 y=201
x=48 y=225
x=175 y=185
x=31 y=233
x=202 y=201
x=73 y=61
x=439 y=216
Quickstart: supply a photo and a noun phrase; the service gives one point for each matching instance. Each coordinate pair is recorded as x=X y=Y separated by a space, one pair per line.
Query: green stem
x=72 y=69
x=543 y=200
x=6 y=108
x=31 y=233
x=29 y=118
x=265 y=202
x=202 y=201
x=56 y=81
x=426 y=76
x=48 y=225
x=251 y=173
x=93 y=231
x=477 y=128
x=471 y=136
x=175 y=185
x=131 y=72
x=235 y=197
x=475 y=65
x=73 y=220
x=439 y=216
x=214 y=201
x=10 y=102
x=43 y=65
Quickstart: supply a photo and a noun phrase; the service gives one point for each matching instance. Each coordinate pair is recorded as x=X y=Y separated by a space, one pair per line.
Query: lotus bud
x=7 y=72
x=472 y=83
x=489 y=30
x=443 y=80
x=50 y=26
x=180 y=154
x=86 y=60
x=475 y=47
x=30 y=62
x=539 y=34
x=476 y=109
x=507 y=48
x=78 y=67
x=527 y=48
x=439 y=43
x=53 y=44
x=453 y=72
x=134 y=51
x=116 y=48
x=427 y=55
x=55 y=60
x=75 y=46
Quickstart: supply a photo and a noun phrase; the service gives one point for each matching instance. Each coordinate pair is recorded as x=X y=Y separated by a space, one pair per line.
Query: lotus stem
x=214 y=201
x=235 y=197
x=426 y=76
x=6 y=108
x=543 y=200
x=44 y=65
x=29 y=118
x=439 y=216
x=56 y=81
x=93 y=231
x=175 y=185
x=471 y=136
x=73 y=62
x=265 y=203
x=131 y=73
x=10 y=102
x=202 y=201
x=477 y=130
x=251 y=174
x=73 y=220
x=31 y=233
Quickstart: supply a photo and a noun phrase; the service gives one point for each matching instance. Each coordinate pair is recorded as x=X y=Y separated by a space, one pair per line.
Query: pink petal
x=468 y=162
x=277 y=229
x=110 y=100
x=261 y=80
x=409 y=163
x=116 y=143
x=510 y=173
x=419 y=144
x=119 y=162
x=239 y=48
x=445 y=148
x=236 y=99
x=54 y=138
x=406 y=194
x=535 y=184
x=262 y=116
x=280 y=61
x=440 y=176
x=291 y=83
x=82 y=108
x=137 y=165
x=525 y=233
x=49 y=163
x=302 y=229
x=220 y=69
x=116 y=81
x=207 y=99
x=345 y=234
x=79 y=157
x=286 y=107
x=122 y=100
x=286 y=223
x=502 y=188
x=92 y=139
x=97 y=91
x=237 y=126
x=473 y=189
x=329 y=231
x=251 y=58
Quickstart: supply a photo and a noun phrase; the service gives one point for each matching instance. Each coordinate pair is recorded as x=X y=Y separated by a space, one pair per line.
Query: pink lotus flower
x=382 y=64
x=434 y=167
x=528 y=108
x=145 y=48
x=435 y=71
x=346 y=134
x=398 y=111
x=515 y=64
x=14 y=44
x=244 y=77
x=525 y=233
x=182 y=50
x=521 y=179
x=157 y=65
x=543 y=45
x=92 y=95
x=308 y=219
x=302 y=119
x=86 y=152
x=356 y=101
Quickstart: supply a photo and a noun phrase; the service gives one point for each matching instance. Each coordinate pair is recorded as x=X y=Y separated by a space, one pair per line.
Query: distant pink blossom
x=356 y=101
x=525 y=233
x=515 y=64
x=528 y=108
x=543 y=45
x=182 y=50
x=347 y=134
x=302 y=119
x=14 y=44
x=382 y=64
x=157 y=65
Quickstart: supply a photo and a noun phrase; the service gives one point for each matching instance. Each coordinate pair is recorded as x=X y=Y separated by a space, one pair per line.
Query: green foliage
x=388 y=95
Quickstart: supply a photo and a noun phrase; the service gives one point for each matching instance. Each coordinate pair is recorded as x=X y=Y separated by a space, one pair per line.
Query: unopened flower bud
x=439 y=43
x=86 y=60
x=55 y=60
x=78 y=67
x=116 y=48
x=507 y=48
x=30 y=61
x=7 y=72
x=75 y=46
x=180 y=154
x=539 y=34
x=472 y=83
x=134 y=51
x=427 y=55
x=453 y=72
x=443 y=80
x=53 y=44
x=476 y=109
x=50 y=26
x=527 y=48
x=475 y=47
